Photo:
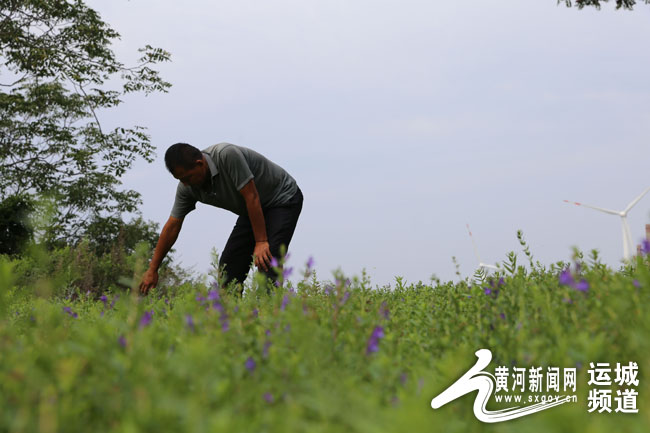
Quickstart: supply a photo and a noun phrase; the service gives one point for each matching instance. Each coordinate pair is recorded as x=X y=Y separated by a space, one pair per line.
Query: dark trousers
x=237 y=255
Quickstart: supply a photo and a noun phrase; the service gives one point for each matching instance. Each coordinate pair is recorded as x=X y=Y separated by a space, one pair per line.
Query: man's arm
x=262 y=252
x=168 y=236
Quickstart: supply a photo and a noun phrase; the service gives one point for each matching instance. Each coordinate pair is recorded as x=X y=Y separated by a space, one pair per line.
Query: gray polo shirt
x=231 y=168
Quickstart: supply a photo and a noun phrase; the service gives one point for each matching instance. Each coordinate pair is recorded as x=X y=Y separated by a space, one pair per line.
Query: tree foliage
x=625 y=4
x=57 y=72
x=15 y=229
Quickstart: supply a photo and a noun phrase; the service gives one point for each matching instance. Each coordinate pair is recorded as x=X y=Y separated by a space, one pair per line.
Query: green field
x=315 y=356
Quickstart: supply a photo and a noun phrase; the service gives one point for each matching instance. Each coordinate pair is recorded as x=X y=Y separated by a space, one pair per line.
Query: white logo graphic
x=476 y=379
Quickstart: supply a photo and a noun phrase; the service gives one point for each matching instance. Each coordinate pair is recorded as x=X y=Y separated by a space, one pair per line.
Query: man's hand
x=167 y=238
x=149 y=281
x=262 y=255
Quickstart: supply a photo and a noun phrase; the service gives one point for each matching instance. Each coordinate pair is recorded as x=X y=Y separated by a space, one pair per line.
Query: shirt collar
x=213 y=168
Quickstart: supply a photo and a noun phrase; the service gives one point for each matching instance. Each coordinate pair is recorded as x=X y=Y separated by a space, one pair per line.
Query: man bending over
x=266 y=198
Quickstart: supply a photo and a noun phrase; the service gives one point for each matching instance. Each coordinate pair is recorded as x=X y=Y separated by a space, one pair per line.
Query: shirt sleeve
x=184 y=202
x=236 y=166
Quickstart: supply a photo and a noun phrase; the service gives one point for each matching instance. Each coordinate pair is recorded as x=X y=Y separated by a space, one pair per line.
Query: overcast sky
x=402 y=121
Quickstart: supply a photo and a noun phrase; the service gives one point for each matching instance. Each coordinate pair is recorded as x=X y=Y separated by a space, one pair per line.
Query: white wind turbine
x=480 y=263
x=627 y=238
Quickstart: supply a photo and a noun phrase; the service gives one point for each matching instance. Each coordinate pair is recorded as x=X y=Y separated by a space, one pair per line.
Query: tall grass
x=314 y=355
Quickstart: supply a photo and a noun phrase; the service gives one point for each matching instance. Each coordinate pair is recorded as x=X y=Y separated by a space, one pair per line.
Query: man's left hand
x=262 y=255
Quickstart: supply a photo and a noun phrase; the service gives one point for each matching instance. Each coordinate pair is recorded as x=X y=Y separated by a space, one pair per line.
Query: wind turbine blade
x=609 y=211
x=473 y=243
x=628 y=238
x=625 y=247
x=636 y=200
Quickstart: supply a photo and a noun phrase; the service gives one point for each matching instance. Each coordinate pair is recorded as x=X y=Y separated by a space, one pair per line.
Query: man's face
x=194 y=176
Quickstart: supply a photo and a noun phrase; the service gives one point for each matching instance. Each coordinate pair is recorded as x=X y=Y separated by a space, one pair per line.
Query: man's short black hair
x=181 y=155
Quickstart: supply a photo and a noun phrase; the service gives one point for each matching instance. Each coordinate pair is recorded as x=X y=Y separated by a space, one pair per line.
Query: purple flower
x=274 y=262
x=566 y=279
x=373 y=341
x=223 y=317
x=310 y=265
x=265 y=350
x=487 y=290
x=146 y=319
x=636 y=283
x=285 y=301
x=503 y=316
x=402 y=378
x=268 y=397
x=501 y=281
x=267 y=332
x=216 y=305
x=383 y=310
x=122 y=341
x=189 y=321
x=115 y=300
x=250 y=364
x=328 y=289
x=286 y=272
x=420 y=384
x=345 y=298
x=581 y=285
x=645 y=246
x=255 y=312
x=70 y=312
x=104 y=299
x=213 y=295
x=578 y=267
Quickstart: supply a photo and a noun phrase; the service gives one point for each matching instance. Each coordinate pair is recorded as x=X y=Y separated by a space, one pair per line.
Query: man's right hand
x=149 y=281
x=165 y=241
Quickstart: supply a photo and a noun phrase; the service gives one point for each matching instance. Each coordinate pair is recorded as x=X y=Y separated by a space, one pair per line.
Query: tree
x=57 y=72
x=625 y=4
x=15 y=230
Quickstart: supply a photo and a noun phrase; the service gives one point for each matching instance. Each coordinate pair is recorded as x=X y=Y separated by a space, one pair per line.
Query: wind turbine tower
x=480 y=263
